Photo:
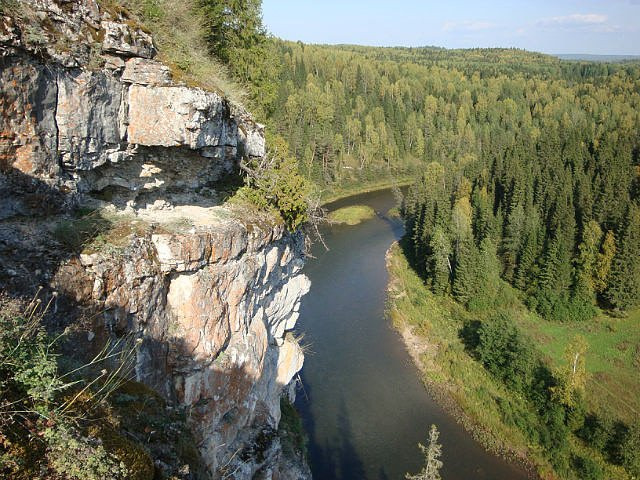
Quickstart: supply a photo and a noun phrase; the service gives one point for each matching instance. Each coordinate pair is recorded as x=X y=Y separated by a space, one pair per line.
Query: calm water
x=363 y=404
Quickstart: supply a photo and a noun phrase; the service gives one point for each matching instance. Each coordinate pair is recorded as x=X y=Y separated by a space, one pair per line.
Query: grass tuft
x=352 y=215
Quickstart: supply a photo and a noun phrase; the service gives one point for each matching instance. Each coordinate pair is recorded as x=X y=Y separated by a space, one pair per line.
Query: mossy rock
x=135 y=458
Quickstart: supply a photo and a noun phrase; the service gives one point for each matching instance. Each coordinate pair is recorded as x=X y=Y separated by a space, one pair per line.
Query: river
x=363 y=404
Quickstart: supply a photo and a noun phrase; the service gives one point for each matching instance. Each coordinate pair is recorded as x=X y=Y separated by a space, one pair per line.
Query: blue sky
x=560 y=26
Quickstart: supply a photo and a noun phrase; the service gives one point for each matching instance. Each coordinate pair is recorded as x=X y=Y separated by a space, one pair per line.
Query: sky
x=604 y=27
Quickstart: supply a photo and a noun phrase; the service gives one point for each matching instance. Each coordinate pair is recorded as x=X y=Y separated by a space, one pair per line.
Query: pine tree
x=432 y=454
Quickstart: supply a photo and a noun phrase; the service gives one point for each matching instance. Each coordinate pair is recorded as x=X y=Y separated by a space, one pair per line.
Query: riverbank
x=338 y=193
x=429 y=326
x=429 y=331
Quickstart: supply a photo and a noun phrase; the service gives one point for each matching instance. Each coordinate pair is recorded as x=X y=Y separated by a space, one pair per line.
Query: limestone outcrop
x=212 y=308
x=89 y=117
x=78 y=122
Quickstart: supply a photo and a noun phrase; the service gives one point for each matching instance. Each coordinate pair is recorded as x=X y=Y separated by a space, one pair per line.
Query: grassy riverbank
x=352 y=215
x=336 y=193
x=430 y=326
x=612 y=363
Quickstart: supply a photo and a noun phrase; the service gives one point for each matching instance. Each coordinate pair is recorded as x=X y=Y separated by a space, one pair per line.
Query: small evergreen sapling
x=432 y=453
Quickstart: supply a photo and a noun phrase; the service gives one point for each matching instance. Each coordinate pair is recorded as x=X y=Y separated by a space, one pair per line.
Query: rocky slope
x=88 y=117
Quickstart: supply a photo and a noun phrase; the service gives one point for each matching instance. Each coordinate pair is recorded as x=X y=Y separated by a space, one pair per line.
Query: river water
x=363 y=404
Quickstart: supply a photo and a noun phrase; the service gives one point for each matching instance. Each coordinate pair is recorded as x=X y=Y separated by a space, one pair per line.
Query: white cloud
x=467 y=26
x=595 y=22
x=577 y=19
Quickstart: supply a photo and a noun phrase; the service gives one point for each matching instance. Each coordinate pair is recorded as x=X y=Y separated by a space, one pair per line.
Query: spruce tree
x=440 y=262
x=466 y=280
x=233 y=26
x=624 y=281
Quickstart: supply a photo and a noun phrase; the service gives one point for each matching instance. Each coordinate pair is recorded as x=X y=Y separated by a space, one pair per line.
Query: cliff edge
x=91 y=122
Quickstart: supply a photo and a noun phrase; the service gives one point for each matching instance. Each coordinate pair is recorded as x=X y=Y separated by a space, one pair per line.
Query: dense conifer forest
x=519 y=155
x=525 y=193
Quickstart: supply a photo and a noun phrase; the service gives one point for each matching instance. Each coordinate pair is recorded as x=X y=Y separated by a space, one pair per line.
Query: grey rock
x=142 y=71
x=87 y=115
x=251 y=139
x=182 y=117
x=123 y=39
x=198 y=301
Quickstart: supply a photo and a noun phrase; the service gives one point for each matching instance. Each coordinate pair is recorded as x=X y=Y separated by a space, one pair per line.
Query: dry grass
x=177 y=28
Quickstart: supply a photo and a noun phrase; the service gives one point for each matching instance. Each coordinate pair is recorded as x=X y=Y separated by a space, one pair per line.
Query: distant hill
x=597 y=58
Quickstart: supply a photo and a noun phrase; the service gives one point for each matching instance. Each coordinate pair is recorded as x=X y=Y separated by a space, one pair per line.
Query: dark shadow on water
x=337 y=458
x=351 y=467
x=395 y=224
x=382 y=475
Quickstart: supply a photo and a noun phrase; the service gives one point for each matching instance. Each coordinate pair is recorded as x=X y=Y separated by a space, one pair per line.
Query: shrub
x=27 y=367
x=630 y=450
x=504 y=352
x=81 y=458
x=43 y=410
x=596 y=432
x=518 y=415
x=560 y=307
x=273 y=183
x=587 y=469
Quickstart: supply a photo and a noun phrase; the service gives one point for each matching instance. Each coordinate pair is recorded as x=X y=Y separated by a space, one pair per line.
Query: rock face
x=210 y=295
x=122 y=129
x=212 y=308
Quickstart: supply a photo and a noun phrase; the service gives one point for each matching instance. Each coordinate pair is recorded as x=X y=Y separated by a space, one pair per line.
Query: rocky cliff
x=89 y=118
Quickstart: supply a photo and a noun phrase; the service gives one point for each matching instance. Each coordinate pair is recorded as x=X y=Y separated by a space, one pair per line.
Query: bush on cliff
x=38 y=406
x=179 y=29
x=274 y=184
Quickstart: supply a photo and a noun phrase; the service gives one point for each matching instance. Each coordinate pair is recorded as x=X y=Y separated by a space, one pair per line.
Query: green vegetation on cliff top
x=76 y=415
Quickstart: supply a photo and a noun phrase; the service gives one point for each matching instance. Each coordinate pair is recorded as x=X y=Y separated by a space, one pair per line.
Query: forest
x=525 y=193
